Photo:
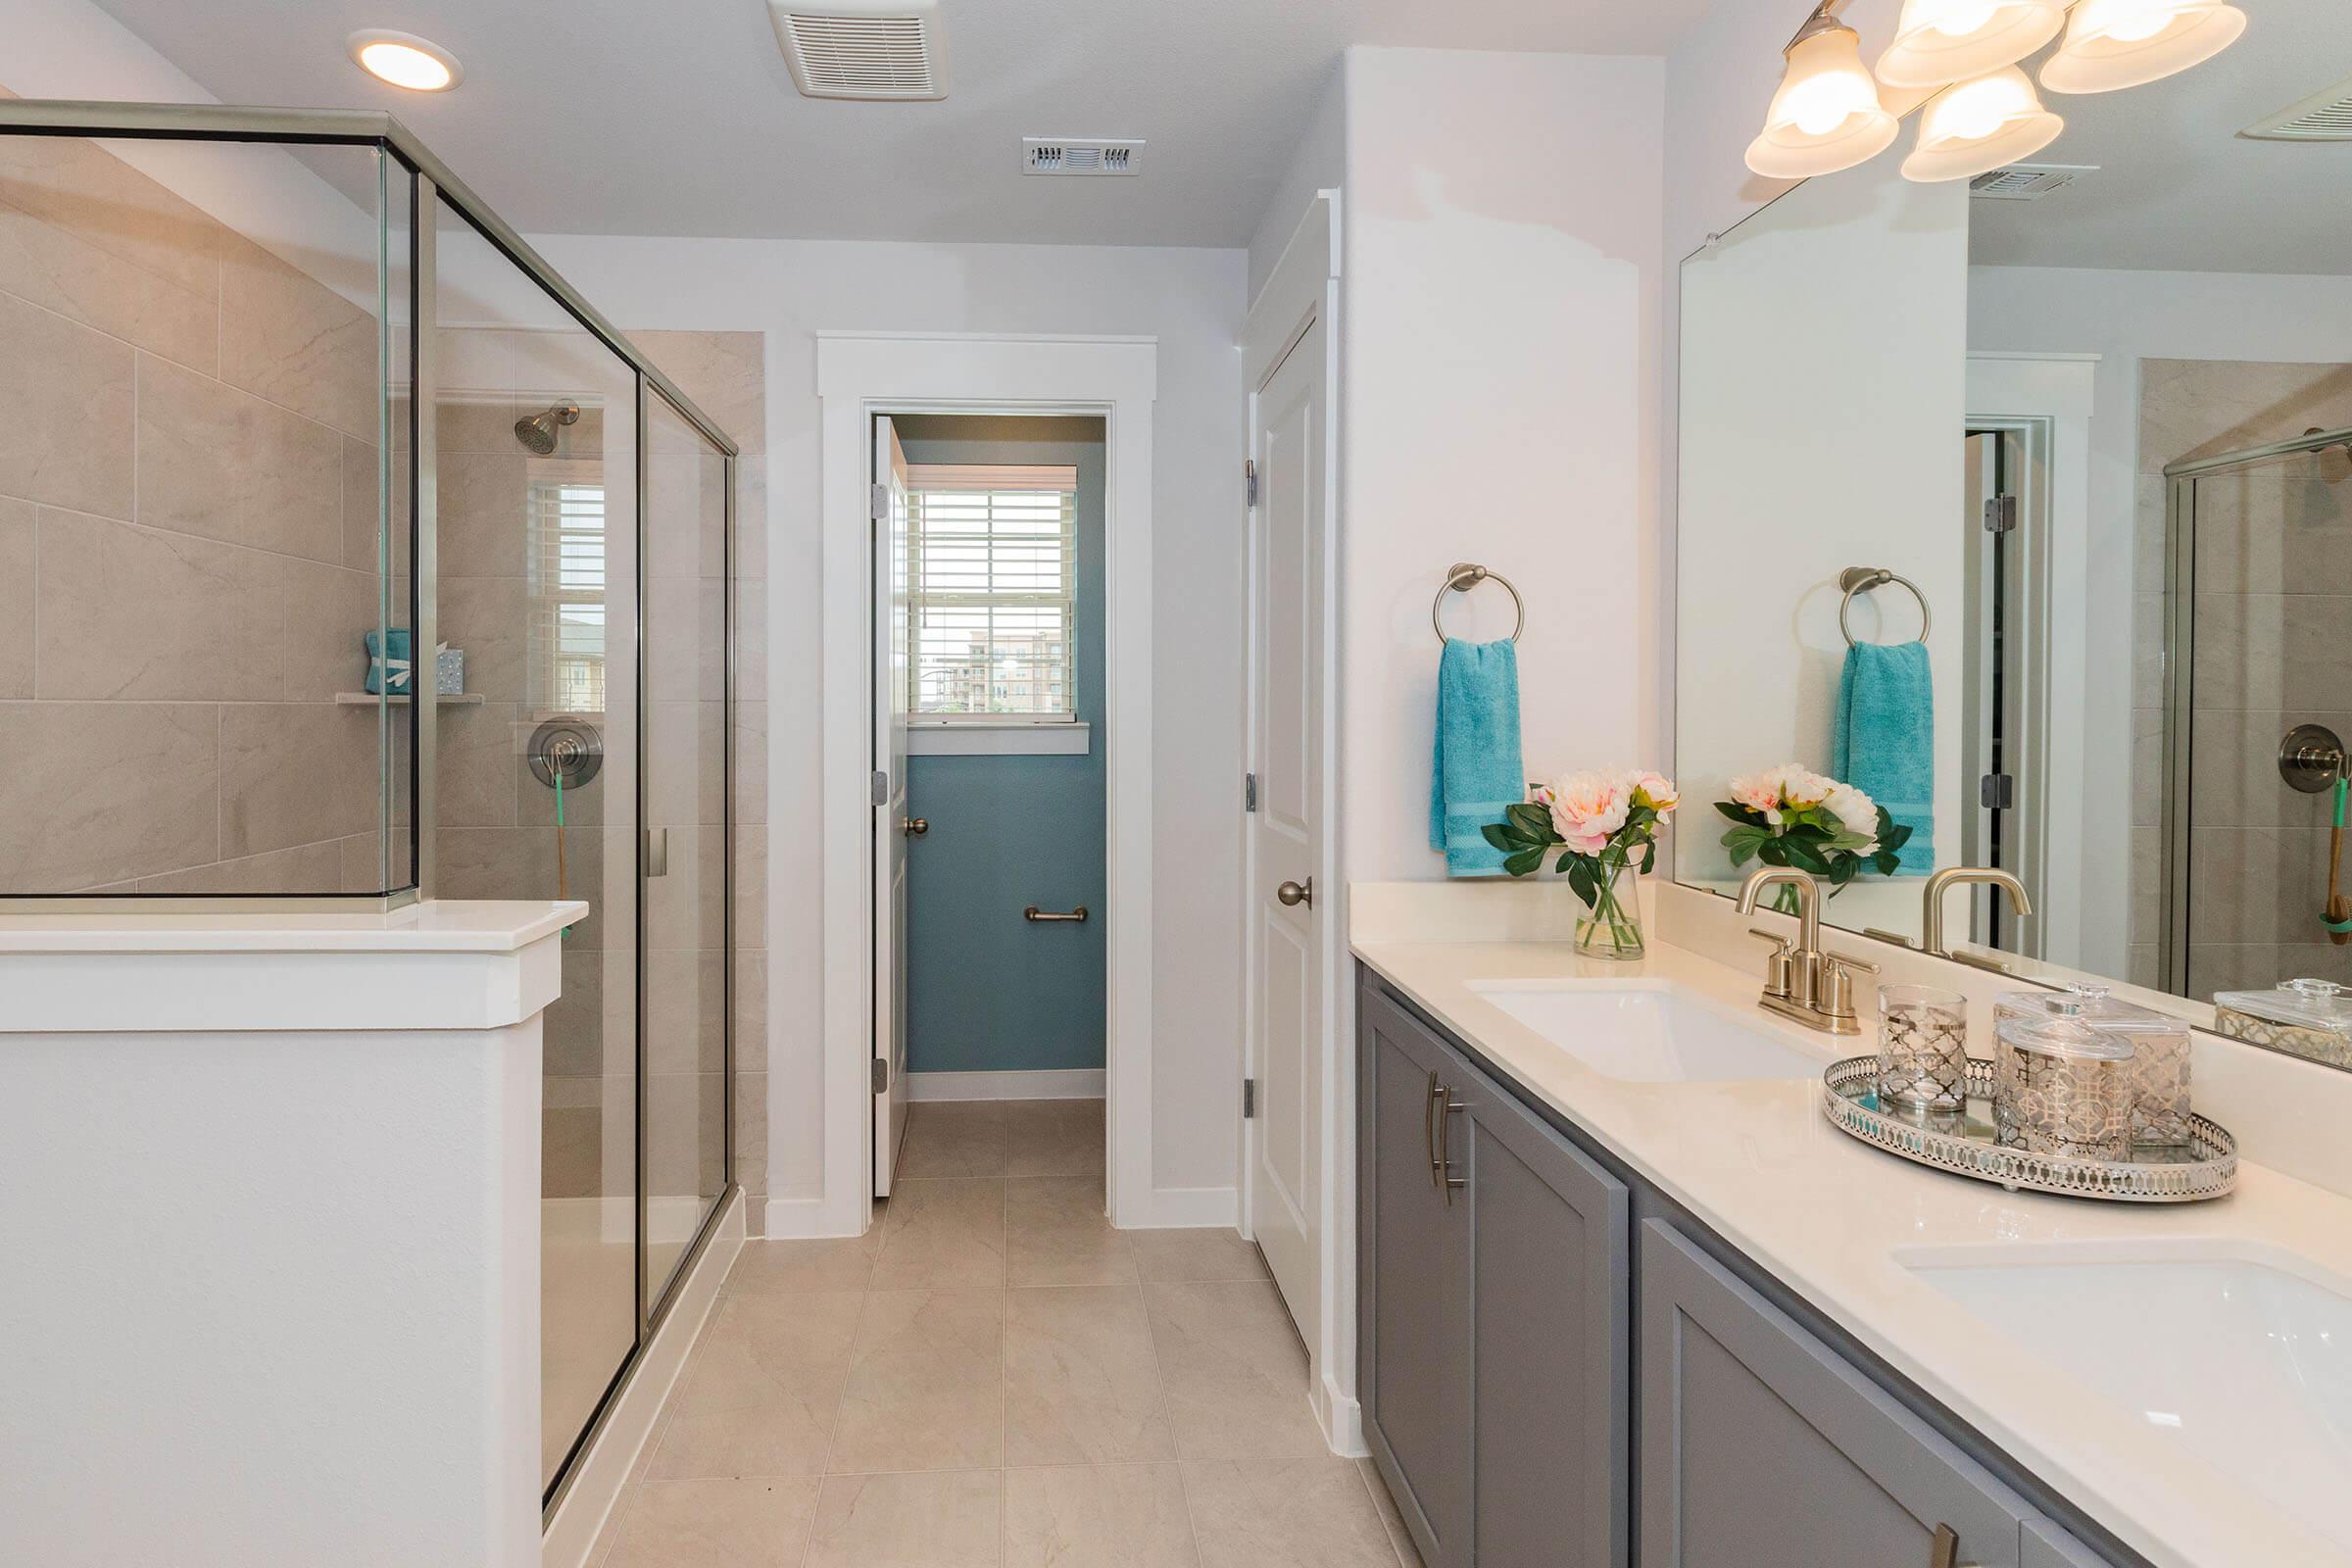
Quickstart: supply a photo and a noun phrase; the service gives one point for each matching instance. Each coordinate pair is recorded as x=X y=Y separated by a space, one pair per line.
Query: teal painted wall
x=988 y=990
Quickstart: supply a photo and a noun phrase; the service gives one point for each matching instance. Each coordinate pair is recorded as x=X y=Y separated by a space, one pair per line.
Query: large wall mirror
x=2023 y=506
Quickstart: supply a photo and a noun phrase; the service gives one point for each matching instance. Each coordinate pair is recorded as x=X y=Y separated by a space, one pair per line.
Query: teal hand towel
x=1883 y=741
x=1476 y=773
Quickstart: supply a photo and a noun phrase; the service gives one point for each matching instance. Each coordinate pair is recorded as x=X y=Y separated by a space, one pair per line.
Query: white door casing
x=892 y=664
x=1285 y=1013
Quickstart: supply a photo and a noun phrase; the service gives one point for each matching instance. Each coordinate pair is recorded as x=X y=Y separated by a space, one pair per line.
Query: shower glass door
x=687 y=660
x=2258 y=641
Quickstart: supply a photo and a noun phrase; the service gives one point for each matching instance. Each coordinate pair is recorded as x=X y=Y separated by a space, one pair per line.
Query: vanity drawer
x=1762 y=1446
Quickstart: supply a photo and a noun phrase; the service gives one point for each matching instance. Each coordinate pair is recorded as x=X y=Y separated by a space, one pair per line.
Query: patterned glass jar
x=2158 y=1072
x=1923 y=1047
x=2062 y=1088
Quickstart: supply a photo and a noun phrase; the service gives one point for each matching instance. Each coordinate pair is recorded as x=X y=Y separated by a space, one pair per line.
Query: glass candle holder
x=1923 y=1047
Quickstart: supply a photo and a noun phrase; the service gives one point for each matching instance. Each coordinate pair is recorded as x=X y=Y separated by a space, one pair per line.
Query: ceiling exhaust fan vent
x=2325 y=116
x=2025 y=182
x=1046 y=155
x=874 y=50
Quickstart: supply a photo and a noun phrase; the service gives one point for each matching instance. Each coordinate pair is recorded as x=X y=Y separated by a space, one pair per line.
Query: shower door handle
x=656 y=852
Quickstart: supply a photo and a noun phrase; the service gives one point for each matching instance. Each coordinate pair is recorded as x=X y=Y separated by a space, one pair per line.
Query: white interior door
x=893 y=661
x=1285 y=835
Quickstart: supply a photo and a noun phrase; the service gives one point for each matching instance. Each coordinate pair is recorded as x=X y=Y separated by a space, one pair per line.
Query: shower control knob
x=917 y=826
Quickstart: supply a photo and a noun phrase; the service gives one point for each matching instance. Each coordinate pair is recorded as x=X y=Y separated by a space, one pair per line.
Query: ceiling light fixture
x=1827 y=115
x=1980 y=126
x=1937 y=41
x=405 y=60
x=2112 y=44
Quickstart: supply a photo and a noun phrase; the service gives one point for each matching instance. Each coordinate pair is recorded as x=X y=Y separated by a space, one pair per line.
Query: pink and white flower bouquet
x=1792 y=816
x=1605 y=826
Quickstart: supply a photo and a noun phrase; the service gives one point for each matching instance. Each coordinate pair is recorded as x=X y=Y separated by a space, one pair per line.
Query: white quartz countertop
x=440 y=925
x=1833 y=1219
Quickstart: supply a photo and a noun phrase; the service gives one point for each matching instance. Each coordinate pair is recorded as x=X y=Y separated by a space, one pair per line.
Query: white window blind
x=993 y=563
x=567 y=594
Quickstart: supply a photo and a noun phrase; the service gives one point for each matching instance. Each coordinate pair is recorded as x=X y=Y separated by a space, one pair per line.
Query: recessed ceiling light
x=405 y=60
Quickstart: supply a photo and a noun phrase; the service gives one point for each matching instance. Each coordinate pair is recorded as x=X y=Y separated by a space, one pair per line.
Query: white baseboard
x=603 y=1470
x=802 y=1219
x=1342 y=1421
x=1181 y=1208
x=1066 y=1083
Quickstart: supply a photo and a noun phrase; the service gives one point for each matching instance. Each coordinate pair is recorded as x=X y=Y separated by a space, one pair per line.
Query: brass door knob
x=1294 y=894
x=917 y=826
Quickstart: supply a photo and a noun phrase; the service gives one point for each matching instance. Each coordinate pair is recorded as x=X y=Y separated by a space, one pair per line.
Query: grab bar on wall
x=1033 y=912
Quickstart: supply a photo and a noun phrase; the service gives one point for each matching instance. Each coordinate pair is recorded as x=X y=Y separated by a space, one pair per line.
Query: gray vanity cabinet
x=2049 y=1545
x=1550 y=1322
x=1494 y=1313
x=1762 y=1446
x=1415 y=1323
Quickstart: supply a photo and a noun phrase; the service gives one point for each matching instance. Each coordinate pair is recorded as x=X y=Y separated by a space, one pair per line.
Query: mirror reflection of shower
x=537 y=432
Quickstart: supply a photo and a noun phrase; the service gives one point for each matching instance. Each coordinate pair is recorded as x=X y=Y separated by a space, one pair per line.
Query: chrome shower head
x=537 y=432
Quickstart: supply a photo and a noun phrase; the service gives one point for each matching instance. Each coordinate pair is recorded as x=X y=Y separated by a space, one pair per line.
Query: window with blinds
x=568 y=593
x=993 y=575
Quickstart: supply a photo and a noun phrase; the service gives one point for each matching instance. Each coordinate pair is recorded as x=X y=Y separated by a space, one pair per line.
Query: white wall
x=1192 y=301
x=2124 y=317
x=1501 y=309
x=1318 y=163
x=1822 y=400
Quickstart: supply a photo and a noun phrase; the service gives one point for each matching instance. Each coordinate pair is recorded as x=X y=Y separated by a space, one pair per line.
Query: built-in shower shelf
x=446 y=698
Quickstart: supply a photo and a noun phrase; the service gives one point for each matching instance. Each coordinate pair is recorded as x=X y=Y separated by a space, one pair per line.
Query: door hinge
x=1250 y=475
x=2000 y=515
x=1248 y=1098
x=1996 y=792
x=1249 y=792
x=880 y=787
x=881 y=1076
x=878 y=502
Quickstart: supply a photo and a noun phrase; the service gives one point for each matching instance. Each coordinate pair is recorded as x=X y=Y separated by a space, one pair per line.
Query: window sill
x=1000 y=740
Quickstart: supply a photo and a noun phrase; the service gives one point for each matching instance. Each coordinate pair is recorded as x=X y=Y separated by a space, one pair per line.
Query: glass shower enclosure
x=2257 y=659
x=349 y=559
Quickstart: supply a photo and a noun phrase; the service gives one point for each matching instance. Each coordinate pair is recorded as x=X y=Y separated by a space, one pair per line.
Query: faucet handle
x=1780 y=964
x=1833 y=983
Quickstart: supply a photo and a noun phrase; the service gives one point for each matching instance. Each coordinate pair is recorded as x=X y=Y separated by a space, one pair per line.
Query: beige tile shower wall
x=186 y=427
x=2273 y=586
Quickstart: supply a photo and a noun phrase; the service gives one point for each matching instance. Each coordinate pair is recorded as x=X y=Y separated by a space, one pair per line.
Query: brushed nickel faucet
x=1804 y=982
x=1930 y=929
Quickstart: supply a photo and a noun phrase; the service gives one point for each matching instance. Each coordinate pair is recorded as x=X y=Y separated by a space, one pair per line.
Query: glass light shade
x=1979 y=126
x=2123 y=43
x=1937 y=41
x=1827 y=115
x=405 y=60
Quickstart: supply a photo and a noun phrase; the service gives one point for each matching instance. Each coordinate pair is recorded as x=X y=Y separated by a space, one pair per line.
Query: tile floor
x=995 y=1378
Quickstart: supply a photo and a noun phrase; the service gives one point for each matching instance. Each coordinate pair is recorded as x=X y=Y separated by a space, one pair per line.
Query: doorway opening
x=991 y=844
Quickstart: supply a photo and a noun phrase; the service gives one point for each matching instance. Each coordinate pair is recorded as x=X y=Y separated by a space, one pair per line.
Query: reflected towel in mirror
x=1882 y=740
x=1476 y=773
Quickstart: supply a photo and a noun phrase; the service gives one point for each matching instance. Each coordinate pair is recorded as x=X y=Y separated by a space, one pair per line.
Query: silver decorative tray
x=1962 y=1143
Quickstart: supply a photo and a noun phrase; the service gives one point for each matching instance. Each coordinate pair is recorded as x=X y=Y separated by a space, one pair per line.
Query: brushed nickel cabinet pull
x=1945 y=1552
x=1448 y=1181
x=1033 y=912
x=1429 y=1126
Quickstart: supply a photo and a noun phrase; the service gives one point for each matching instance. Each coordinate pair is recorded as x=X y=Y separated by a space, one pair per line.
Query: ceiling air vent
x=2025 y=182
x=1046 y=155
x=866 y=49
x=2325 y=116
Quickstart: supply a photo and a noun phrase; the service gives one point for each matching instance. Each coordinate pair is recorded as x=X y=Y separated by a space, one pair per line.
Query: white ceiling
x=677 y=117
x=2177 y=187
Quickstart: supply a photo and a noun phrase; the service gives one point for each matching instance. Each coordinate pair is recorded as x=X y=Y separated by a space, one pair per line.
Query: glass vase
x=1612 y=926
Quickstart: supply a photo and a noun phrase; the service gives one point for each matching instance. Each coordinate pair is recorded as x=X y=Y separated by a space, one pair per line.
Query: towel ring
x=1461 y=578
x=1861 y=580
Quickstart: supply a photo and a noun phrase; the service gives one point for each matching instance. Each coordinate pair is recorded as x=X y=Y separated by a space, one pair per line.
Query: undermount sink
x=2246 y=1363
x=1647 y=1031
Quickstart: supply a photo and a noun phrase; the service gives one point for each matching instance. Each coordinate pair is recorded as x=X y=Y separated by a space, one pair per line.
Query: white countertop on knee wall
x=447 y=963
x=1758 y=1163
